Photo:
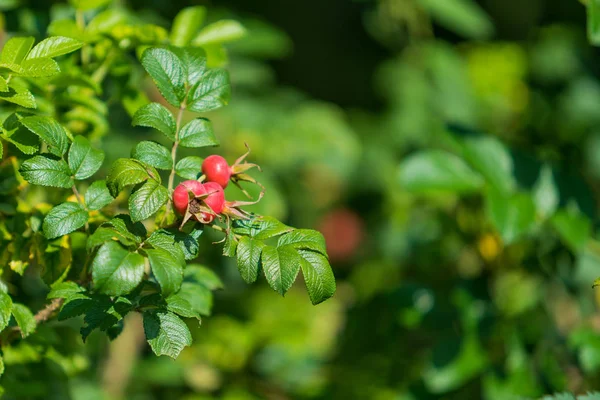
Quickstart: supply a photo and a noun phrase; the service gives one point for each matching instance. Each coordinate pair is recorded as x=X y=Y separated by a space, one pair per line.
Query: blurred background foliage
x=449 y=150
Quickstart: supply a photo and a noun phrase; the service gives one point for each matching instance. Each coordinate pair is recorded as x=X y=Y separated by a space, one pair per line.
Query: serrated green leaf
x=193 y=60
x=64 y=290
x=77 y=304
x=195 y=291
x=97 y=196
x=167 y=270
x=318 y=276
x=21 y=97
x=15 y=50
x=186 y=24
x=54 y=46
x=121 y=229
x=304 y=239
x=165 y=240
x=24 y=140
x=189 y=167
x=6 y=306
x=43 y=171
x=261 y=228
x=167 y=73
x=197 y=133
x=147 y=200
x=223 y=31
x=40 y=68
x=125 y=172
x=104 y=314
x=50 y=131
x=116 y=271
x=153 y=154
x=156 y=116
x=64 y=218
x=166 y=333
x=212 y=92
x=180 y=306
x=436 y=170
x=280 y=266
x=230 y=245
x=24 y=318
x=248 y=255
x=84 y=160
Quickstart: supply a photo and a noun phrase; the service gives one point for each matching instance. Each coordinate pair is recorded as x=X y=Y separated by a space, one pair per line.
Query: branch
x=47 y=312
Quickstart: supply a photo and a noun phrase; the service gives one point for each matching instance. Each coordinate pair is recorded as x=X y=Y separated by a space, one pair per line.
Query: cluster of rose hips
x=204 y=199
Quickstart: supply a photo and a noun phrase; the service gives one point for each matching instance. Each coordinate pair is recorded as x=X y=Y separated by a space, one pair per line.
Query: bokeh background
x=449 y=150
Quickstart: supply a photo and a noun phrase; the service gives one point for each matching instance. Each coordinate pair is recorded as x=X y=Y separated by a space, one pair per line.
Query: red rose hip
x=216 y=169
x=181 y=196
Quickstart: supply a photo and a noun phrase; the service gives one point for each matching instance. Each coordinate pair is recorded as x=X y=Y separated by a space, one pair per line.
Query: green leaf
x=193 y=60
x=75 y=305
x=203 y=276
x=64 y=290
x=195 y=289
x=125 y=172
x=147 y=200
x=97 y=196
x=3 y=85
x=318 y=276
x=53 y=47
x=15 y=50
x=545 y=193
x=180 y=306
x=574 y=228
x=40 y=68
x=186 y=24
x=50 y=131
x=189 y=167
x=223 y=31
x=103 y=314
x=166 y=333
x=212 y=92
x=64 y=218
x=167 y=72
x=437 y=170
x=167 y=270
x=116 y=271
x=25 y=319
x=43 y=171
x=280 y=266
x=153 y=154
x=593 y=21
x=248 y=257
x=165 y=240
x=513 y=216
x=304 y=239
x=490 y=157
x=84 y=160
x=230 y=245
x=21 y=97
x=85 y=5
x=197 y=133
x=120 y=228
x=156 y=116
x=261 y=228
x=6 y=306
x=464 y=17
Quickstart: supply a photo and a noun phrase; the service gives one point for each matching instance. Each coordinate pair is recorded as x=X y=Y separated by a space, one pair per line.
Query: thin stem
x=174 y=156
x=81 y=203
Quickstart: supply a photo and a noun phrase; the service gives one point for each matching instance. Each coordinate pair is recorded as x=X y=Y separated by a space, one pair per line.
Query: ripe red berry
x=181 y=196
x=216 y=197
x=216 y=169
